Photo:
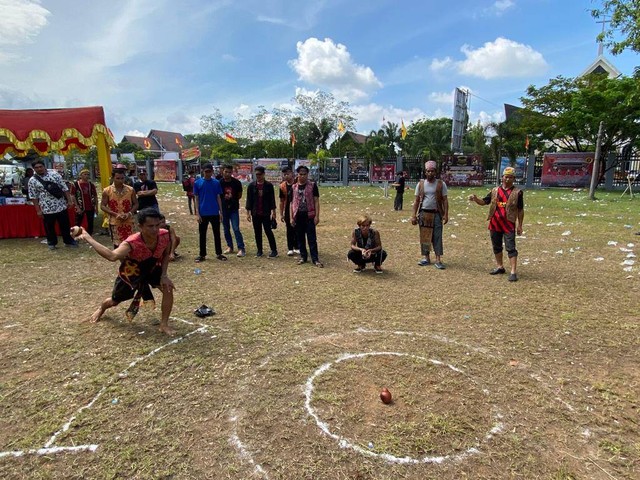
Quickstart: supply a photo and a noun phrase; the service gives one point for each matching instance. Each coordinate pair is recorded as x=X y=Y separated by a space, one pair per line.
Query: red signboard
x=383 y=173
x=462 y=170
x=571 y=169
x=164 y=170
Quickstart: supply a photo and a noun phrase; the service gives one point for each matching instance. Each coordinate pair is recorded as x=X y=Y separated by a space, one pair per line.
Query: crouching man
x=144 y=258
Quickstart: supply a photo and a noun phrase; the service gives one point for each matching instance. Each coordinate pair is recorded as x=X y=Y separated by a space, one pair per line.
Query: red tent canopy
x=52 y=130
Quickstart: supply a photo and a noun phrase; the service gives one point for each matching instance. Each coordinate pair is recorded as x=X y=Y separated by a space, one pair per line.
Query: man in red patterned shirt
x=144 y=258
x=506 y=214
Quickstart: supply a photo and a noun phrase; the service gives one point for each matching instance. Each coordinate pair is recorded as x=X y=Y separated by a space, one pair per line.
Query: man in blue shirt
x=208 y=205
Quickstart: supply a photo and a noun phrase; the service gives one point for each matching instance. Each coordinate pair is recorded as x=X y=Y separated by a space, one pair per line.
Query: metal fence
x=617 y=168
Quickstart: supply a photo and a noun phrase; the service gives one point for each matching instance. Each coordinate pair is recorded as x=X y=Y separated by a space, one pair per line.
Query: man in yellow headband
x=506 y=214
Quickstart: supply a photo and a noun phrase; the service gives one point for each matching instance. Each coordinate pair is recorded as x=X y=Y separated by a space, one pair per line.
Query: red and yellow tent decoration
x=57 y=130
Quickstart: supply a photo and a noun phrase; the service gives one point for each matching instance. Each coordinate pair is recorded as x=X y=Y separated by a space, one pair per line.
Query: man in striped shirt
x=506 y=214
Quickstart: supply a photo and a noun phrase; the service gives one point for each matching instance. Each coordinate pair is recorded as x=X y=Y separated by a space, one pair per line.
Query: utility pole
x=595 y=172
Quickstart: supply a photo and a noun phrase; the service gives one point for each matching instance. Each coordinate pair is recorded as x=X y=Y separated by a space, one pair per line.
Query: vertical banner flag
x=293 y=139
x=340 y=126
x=230 y=138
x=403 y=130
x=526 y=144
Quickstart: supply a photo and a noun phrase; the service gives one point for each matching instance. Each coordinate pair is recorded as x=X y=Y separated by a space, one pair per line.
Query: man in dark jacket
x=261 y=210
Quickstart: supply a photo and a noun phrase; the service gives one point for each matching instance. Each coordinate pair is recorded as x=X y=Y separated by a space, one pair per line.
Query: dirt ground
x=490 y=379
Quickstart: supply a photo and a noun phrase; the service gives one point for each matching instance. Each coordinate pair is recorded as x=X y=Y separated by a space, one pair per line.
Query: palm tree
x=390 y=133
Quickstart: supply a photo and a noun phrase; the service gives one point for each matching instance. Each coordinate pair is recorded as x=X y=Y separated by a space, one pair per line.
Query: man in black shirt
x=146 y=191
x=397 y=202
x=231 y=195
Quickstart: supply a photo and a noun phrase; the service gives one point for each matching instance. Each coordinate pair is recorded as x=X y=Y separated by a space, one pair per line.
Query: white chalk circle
x=345 y=443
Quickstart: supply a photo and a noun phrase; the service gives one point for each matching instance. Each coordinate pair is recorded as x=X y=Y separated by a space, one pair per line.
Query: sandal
x=222 y=257
x=318 y=264
x=301 y=261
x=200 y=259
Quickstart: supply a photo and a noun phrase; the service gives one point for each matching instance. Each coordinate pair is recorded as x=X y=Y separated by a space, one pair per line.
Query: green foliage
x=567 y=112
x=624 y=16
x=430 y=138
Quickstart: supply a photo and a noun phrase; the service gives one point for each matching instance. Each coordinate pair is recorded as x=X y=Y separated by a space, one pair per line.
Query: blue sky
x=161 y=64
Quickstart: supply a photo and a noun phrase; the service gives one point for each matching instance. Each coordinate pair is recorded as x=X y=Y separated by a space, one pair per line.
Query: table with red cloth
x=22 y=221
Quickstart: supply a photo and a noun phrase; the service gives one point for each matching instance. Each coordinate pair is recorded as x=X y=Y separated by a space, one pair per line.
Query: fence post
x=345 y=171
x=610 y=171
x=531 y=164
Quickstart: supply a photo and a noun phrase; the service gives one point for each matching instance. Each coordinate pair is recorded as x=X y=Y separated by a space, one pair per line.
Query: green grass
x=550 y=357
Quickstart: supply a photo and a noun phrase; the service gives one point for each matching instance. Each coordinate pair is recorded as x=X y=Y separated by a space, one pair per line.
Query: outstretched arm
x=119 y=253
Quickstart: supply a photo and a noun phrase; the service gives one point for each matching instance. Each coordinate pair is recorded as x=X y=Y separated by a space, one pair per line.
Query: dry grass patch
x=545 y=382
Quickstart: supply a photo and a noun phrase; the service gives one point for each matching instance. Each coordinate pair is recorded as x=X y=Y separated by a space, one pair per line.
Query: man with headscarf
x=431 y=212
x=86 y=197
x=506 y=214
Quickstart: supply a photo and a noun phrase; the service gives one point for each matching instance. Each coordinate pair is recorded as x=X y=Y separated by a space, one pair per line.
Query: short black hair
x=148 y=213
x=302 y=167
x=38 y=161
x=226 y=166
x=286 y=169
x=207 y=166
x=259 y=168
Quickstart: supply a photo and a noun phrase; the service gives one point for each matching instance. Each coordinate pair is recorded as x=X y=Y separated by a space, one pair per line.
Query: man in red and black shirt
x=505 y=220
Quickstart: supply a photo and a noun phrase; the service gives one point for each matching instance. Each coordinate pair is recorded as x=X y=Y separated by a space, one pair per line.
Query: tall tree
x=567 y=112
x=624 y=18
x=430 y=138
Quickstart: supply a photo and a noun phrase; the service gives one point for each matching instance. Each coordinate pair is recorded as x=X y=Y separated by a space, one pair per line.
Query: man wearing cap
x=506 y=213
x=431 y=212
x=86 y=200
x=208 y=206
x=146 y=191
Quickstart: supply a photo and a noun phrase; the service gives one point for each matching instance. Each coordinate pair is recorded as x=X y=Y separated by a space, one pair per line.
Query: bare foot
x=96 y=315
x=167 y=330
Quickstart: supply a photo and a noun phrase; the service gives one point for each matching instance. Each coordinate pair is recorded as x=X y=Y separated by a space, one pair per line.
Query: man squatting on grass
x=144 y=259
x=506 y=211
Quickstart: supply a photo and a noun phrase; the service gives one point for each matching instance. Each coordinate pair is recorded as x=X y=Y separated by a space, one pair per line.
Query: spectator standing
x=208 y=205
x=86 y=197
x=261 y=211
x=286 y=187
x=305 y=215
x=120 y=203
x=400 y=185
x=28 y=173
x=51 y=199
x=187 y=186
x=231 y=195
x=146 y=191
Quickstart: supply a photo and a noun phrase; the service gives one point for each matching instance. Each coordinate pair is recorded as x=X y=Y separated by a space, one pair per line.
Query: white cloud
x=21 y=21
x=370 y=116
x=329 y=65
x=500 y=6
x=441 y=97
x=438 y=65
x=136 y=133
x=502 y=58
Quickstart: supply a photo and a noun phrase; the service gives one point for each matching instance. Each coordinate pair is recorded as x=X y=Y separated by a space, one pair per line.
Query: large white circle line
x=344 y=443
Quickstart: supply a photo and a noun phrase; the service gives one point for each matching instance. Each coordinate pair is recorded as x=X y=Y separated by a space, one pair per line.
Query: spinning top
x=385 y=396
